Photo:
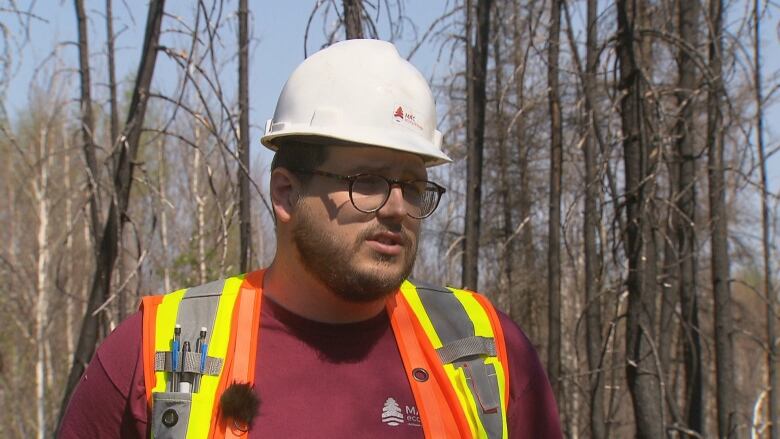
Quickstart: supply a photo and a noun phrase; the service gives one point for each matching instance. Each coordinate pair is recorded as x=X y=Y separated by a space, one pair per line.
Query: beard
x=332 y=260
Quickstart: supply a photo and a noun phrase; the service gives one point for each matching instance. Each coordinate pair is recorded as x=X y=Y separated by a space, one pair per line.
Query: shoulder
x=119 y=353
x=525 y=366
x=108 y=401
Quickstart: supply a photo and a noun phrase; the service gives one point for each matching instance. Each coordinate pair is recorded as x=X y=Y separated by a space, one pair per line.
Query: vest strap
x=466 y=347
x=191 y=363
x=481 y=378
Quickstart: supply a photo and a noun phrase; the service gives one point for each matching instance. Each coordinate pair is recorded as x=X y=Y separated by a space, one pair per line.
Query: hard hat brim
x=322 y=136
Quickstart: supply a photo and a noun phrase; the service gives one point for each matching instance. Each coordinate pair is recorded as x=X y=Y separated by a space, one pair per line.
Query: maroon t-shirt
x=313 y=380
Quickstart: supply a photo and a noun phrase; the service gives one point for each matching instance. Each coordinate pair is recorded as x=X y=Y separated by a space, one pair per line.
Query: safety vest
x=450 y=341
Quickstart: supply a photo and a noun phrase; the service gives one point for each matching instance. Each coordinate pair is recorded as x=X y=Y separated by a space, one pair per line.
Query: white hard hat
x=358 y=91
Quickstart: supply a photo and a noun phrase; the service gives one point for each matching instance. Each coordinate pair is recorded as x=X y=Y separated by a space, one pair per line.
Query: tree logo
x=399 y=114
x=391 y=413
x=407 y=118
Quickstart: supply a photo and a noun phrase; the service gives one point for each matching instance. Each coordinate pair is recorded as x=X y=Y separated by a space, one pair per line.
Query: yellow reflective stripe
x=457 y=378
x=477 y=314
x=410 y=293
x=165 y=320
x=203 y=400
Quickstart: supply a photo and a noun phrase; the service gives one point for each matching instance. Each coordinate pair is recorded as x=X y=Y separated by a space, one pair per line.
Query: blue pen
x=201 y=347
x=175 y=359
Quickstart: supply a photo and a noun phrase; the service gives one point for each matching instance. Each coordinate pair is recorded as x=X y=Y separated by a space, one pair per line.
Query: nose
x=395 y=206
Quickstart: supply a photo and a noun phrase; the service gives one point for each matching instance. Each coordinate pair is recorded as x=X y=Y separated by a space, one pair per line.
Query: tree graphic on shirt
x=391 y=413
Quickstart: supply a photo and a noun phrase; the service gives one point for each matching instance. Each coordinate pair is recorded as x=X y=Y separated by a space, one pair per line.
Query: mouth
x=386 y=243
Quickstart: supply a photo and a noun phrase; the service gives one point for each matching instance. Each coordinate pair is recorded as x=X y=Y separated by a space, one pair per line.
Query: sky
x=278 y=47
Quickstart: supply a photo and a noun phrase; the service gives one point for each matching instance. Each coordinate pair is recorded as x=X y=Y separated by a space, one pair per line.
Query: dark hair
x=298 y=155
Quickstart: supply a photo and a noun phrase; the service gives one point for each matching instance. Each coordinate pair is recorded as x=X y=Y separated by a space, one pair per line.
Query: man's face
x=360 y=256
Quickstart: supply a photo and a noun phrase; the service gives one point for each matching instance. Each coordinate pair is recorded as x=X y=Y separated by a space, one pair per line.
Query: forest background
x=615 y=185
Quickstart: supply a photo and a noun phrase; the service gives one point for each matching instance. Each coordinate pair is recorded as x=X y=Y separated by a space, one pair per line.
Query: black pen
x=186 y=377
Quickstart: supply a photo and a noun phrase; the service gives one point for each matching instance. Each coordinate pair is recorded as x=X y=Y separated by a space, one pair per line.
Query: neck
x=293 y=287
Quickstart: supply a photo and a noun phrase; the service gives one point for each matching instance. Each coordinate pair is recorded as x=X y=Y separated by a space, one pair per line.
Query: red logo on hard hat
x=399 y=113
x=406 y=118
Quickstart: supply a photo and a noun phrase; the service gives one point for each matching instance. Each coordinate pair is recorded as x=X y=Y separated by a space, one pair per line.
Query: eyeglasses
x=369 y=192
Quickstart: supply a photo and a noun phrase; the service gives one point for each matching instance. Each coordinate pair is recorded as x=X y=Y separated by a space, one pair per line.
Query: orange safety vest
x=450 y=340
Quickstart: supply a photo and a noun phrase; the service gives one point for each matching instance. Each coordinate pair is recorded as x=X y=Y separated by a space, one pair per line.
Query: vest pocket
x=170 y=414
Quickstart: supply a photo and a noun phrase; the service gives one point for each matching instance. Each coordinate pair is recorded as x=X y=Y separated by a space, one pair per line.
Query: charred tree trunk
x=505 y=192
x=524 y=304
x=123 y=178
x=111 y=74
x=476 y=60
x=88 y=123
x=554 y=227
x=684 y=216
x=641 y=372
x=114 y=133
x=353 y=11
x=591 y=228
x=244 y=196
x=724 y=350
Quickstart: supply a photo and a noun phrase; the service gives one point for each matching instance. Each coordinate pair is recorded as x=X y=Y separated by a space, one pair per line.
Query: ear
x=285 y=188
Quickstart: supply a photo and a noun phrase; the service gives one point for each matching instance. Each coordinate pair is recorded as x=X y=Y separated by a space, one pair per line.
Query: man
x=330 y=340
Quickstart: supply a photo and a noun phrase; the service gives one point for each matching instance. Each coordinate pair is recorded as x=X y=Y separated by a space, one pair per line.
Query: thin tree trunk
x=200 y=212
x=524 y=306
x=476 y=59
x=244 y=195
x=353 y=10
x=112 y=74
x=114 y=133
x=506 y=256
x=724 y=350
x=162 y=186
x=88 y=123
x=641 y=371
x=670 y=300
x=70 y=286
x=592 y=255
x=684 y=216
x=123 y=178
x=41 y=191
x=554 y=228
x=771 y=310
x=766 y=244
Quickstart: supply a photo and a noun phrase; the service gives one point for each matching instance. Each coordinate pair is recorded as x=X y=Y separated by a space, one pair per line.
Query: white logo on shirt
x=393 y=416
x=391 y=413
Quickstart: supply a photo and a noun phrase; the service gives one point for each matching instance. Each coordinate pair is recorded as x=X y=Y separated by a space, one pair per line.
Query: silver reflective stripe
x=482 y=379
x=456 y=332
x=466 y=347
x=446 y=313
x=198 y=308
x=162 y=363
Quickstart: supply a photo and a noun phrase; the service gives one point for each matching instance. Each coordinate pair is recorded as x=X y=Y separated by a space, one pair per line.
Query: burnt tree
x=476 y=79
x=554 y=225
x=641 y=372
x=117 y=215
x=719 y=256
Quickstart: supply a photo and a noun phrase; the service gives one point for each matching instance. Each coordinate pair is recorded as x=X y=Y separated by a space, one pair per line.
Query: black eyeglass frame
x=350 y=179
